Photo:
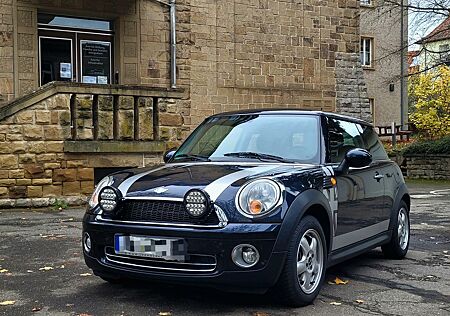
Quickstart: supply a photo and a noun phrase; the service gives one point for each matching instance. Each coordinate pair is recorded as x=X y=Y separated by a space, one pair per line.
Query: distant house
x=413 y=61
x=435 y=47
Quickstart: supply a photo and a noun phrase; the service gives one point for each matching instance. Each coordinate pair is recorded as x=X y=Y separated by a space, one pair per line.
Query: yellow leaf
x=338 y=281
x=359 y=301
x=165 y=314
x=45 y=269
x=335 y=303
x=85 y=274
x=3 y=271
x=4 y=303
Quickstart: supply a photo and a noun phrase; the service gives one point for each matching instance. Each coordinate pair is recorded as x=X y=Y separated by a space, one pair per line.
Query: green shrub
x=431 y=147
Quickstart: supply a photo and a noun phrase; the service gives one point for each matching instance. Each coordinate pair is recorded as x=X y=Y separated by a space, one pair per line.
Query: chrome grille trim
x=223 y=221
x=149 y=264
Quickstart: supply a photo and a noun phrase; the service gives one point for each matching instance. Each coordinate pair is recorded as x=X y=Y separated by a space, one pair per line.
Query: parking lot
x=43 y=273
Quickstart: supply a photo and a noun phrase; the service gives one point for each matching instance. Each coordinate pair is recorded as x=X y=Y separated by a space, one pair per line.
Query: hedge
x=429 y=147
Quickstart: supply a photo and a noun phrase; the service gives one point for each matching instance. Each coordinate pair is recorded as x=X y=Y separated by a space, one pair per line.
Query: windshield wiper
x=260 y=156
x=192 y=156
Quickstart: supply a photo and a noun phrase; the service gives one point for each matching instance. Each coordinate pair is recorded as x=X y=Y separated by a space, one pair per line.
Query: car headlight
x=258 y=197
x=106 y=181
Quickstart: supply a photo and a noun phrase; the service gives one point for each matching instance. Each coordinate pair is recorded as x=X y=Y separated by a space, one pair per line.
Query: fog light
x=87 y=242
x=245 y=256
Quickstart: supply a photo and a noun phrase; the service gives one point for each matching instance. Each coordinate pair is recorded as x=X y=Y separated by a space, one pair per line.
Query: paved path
x=30 y=241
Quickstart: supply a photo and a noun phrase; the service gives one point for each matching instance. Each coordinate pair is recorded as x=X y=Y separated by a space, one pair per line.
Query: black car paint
x=303 y=193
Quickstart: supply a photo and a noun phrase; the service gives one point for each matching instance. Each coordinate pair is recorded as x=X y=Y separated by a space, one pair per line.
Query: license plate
x=150 y=247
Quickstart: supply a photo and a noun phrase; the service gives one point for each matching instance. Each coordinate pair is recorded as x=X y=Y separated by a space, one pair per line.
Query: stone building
x=90 y=86
x=384 y=43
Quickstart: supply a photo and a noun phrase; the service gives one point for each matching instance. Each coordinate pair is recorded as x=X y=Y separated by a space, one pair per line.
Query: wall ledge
x=116 y=147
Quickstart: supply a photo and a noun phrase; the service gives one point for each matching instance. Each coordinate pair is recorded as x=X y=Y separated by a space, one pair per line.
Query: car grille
x=192 y=264
x=161 y=212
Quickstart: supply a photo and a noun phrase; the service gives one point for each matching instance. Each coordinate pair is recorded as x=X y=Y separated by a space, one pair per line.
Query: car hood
x=174 y=180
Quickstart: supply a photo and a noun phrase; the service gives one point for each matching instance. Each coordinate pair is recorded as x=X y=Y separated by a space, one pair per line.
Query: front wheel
x=304 y=270
x=399 y=243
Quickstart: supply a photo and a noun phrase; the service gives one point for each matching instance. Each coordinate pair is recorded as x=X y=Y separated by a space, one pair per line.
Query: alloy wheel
x=403 y=229
x=310 y=259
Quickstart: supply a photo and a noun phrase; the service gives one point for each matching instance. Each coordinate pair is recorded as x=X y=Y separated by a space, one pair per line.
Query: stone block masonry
x=427 y=167
x=36 y=168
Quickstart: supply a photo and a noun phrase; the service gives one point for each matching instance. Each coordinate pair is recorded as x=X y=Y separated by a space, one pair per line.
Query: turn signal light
x=256 y=207
x=333 y=181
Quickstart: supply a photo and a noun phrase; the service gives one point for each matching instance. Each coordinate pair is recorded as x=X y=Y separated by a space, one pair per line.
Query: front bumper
x=216 y=243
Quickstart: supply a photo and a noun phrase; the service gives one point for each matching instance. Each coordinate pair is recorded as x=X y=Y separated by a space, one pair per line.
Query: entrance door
x=56 y=59
x=75 y=49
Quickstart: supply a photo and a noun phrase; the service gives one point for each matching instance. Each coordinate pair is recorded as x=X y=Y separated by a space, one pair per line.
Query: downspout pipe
x=173 y=45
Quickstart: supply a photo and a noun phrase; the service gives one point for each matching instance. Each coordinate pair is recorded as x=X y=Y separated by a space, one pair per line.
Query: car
x=252 y=201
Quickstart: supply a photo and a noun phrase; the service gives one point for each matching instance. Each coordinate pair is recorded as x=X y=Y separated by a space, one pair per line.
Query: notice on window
x=96 y=61
x=65 y=70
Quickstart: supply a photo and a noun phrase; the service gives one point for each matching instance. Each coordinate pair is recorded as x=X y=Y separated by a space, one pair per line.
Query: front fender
x=401 y=192
x=296 y=211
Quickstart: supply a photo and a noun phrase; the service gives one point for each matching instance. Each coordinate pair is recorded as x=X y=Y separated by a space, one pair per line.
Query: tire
x=399 y=243
x=292 y=288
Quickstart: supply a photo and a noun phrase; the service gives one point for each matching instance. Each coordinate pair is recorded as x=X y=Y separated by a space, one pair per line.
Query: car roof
x=292 y=112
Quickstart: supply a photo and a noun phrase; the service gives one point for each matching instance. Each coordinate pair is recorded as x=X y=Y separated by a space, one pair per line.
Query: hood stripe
x=215 y=188
x=127 y=183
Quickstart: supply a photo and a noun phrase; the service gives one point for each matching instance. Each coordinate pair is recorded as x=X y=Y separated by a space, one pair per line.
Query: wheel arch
x=402 y=195
x=310 y=202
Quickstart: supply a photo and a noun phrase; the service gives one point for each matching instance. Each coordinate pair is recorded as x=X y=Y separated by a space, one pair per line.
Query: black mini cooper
x=252 y=201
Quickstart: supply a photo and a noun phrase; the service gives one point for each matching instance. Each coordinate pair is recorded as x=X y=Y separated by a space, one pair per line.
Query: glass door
x=56 y=55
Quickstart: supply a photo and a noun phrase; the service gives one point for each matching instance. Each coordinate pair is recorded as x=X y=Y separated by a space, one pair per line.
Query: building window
x=75 y=49
x=365 y=2
x=367 y=52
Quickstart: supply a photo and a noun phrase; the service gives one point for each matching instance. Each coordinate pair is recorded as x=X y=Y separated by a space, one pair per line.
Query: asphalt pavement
x=42 y=273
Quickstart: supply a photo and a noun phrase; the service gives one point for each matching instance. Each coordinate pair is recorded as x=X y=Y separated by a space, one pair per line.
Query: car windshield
x=284 y=138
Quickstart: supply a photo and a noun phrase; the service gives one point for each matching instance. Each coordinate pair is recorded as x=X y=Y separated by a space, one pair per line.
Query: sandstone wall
x=35 y=166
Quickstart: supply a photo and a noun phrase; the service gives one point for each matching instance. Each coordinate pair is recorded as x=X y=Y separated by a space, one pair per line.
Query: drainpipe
x=403 y=113
x=173 y=45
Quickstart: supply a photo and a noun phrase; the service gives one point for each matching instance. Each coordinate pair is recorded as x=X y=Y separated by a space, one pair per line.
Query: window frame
x=366 y=3
x=363 y=52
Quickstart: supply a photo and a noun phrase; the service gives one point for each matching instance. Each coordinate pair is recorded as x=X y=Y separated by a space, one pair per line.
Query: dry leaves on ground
x=359 y=301
x=165 y=314
x=336 y=303
x=3 y=270
x=338 y=281
x=45 y=268
x=36 y=309
x=5 y=303
x=85 y=274
x=260 y=314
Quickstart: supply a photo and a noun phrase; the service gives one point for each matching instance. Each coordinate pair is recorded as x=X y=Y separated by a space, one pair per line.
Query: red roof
x=442 y=32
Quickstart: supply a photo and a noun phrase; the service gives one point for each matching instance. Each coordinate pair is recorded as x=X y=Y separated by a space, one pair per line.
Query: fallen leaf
x=70 y=305
x=359 y=301
x=62 y=266
x=337 y=281
x=36 y=309
x=45 y=269
x=445 y=251
x=260 y=314
x=4 y=303
x=335 y=303
x=165 y=314
x=84 y=314
x=3 y=271
x=85 y=274
x=30 y=271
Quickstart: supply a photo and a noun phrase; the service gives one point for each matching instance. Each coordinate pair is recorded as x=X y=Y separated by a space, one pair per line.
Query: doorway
x=75 y=49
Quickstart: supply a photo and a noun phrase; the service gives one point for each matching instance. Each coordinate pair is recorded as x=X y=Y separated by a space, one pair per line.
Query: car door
x=360 y=190
x=387 y=170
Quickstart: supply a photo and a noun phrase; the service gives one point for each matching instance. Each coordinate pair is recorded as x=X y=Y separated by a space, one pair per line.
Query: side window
x=373 y=144
x=342 y=137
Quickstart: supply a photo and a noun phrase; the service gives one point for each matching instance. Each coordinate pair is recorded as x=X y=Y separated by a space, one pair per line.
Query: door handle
x=378 y=176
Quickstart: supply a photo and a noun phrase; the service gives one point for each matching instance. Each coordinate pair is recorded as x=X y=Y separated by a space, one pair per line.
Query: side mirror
x=355 y=158
x=169 y=154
